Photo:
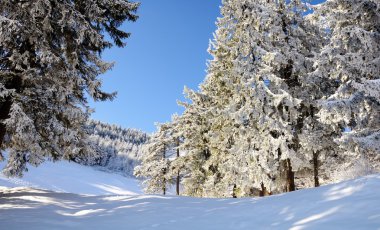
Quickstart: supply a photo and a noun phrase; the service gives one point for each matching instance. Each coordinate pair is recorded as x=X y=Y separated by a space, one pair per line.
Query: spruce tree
x=249 y=123
x=219 y=85
x=155 y=163
x=272 y=64
x=176 y=163
x=50 y=60
x=193 y=128
x=268 y=117
x=347 y=69
x=258 y=108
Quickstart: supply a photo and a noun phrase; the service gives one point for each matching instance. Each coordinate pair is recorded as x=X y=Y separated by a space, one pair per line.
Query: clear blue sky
x=167 y=50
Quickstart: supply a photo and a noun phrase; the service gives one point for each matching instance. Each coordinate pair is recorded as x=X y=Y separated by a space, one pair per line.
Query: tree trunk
x=164 y=187
x=234 y=192
x=14 y=82
x=290 y=178
x=177 y=183
x=287 y=175
x=316 y=167
x=2 y=134
x=4 y=114
x=178 y=177
x=164 y=172
x=264 y=191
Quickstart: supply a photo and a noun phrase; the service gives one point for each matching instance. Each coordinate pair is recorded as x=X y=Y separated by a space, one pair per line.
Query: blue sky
x=167 y=50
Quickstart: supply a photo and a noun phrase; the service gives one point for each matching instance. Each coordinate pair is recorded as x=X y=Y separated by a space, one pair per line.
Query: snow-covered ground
x=352 y=204
x=70 y=177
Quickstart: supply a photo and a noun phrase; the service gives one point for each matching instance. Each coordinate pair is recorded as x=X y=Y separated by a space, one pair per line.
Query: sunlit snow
x=348 y=205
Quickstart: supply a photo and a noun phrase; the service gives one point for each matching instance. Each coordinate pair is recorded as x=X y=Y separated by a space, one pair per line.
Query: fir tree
x=193 y=126
x=348 y=67
x=269 y=116
x=50 y=56
x=155 y=163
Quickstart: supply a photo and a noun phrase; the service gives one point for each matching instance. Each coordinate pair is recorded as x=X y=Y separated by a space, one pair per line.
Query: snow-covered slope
x=349 y=205
x=73 y=178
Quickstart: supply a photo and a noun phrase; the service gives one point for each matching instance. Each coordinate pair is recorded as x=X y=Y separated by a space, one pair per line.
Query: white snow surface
x=352 y=204
x=71 y=177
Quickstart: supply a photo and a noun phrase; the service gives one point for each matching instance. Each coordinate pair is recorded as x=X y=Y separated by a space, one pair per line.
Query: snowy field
x=349 y=205
x=73 y=178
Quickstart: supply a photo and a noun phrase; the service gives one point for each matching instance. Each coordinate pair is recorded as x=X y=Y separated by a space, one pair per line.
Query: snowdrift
x=349 y=205
x=70 y=177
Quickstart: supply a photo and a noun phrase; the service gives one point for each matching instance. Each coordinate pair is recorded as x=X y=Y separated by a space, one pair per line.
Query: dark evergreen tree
x=49 y=58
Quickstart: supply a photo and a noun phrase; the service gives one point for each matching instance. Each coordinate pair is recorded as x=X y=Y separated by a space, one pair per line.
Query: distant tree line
x=117 y=149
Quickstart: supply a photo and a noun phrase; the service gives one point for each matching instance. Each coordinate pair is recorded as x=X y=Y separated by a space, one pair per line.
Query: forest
x=281 y=131
x=291 y=100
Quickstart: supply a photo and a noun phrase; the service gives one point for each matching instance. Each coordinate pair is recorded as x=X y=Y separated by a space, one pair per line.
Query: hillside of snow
x=71 y=177
x=348 y=205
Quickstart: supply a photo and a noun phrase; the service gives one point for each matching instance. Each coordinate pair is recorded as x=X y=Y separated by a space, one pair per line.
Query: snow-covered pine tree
x=272 y=63
x=49 y=57
x=253 y=127
x=192 y=127
x=205 y=123
x=219 y=85
x=238 y=168
x=155 y=163
x=318 y=150
x=348 y=67
x=249 y=125
x=176 y=161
